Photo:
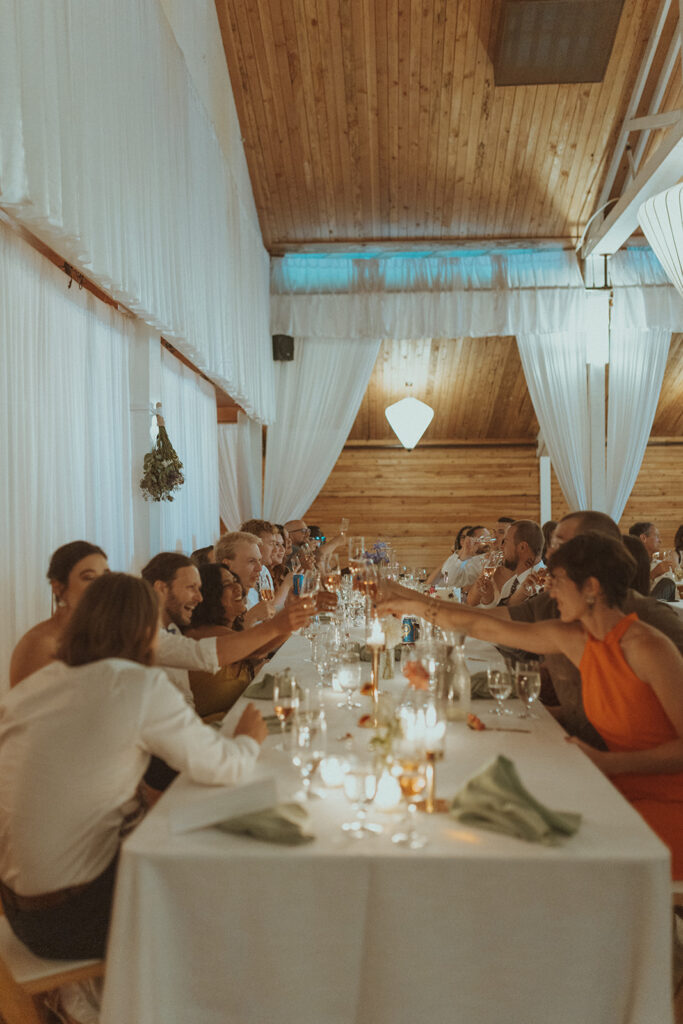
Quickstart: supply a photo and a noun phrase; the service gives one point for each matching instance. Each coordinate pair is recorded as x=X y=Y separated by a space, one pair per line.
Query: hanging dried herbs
x=163 y=470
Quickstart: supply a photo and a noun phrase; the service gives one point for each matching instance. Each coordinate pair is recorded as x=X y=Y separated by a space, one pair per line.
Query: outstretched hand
x=251 y=724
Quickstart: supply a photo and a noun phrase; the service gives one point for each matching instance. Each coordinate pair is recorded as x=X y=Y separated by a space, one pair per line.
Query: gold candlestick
x=430 y=773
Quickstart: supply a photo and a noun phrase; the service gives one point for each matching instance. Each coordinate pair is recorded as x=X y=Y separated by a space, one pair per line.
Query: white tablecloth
x=476 y=927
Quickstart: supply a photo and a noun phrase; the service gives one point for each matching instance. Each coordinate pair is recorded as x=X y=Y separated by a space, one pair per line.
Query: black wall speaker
x=283 y=348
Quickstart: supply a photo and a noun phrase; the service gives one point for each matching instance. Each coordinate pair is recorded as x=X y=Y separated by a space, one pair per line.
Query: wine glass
x=410 y=753
x=309 y=746
x=500 y=688
x=527 y=685
x=331 y=573
x=346 y=676
x=360 y=788
x=285 y=701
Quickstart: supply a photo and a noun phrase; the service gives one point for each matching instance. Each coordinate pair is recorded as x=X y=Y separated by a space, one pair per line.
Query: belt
x=44 y=901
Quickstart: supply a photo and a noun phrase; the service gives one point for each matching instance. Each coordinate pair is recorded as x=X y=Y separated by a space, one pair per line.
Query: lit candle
x=332 y=771
x=435 y=729
x=388 y=794
x=377 y=637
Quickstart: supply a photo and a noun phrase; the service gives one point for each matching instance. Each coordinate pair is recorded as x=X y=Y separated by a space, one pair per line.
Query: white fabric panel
x=65 y=445
x=189 y=407
x=555 y=369
x=318 y=396
x=454 y=314
x=636 y=370
x=108 y=154
x=653 y=306
x=239 y=471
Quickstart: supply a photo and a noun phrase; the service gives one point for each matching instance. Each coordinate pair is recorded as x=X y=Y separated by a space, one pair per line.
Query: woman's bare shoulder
x=36 y=648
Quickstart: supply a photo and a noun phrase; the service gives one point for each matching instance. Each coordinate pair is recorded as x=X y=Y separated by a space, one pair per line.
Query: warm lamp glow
x=409 y=419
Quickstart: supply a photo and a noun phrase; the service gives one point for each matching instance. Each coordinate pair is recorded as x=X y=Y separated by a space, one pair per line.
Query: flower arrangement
x=163 y=470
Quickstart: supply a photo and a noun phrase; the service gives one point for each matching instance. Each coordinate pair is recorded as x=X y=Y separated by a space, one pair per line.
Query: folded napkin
x=273 y=726
x=480 y=685
x=280 y=824
x=496 y=799
x=261 y=689
x=366 y=653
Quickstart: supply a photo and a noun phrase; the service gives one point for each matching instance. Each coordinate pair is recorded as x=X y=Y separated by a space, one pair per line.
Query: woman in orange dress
x=632 y=674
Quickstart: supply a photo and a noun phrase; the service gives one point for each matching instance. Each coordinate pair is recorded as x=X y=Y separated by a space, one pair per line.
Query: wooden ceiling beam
x=423 y=246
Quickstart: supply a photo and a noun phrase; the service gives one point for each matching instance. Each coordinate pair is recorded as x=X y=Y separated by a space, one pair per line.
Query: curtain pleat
x=318 y=396
x=107 y=154
x=189 y=407
x=239 y=471
x=65 y=439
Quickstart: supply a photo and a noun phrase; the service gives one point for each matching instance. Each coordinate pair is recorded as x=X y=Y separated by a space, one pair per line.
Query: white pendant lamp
x=409 y=419
x=661 y=219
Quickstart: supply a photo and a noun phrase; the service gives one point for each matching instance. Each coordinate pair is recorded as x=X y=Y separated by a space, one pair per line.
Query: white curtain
x=65 y=450
x=107 y=153
x=636 y=370
x=318 y=397
x=555 y=370
x=450 y=296
x=239 y=471
x=189 y=407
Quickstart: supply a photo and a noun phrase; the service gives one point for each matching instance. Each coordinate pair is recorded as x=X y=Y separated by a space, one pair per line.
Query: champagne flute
x=500 y=688
x=360 y=788
x=309 y=746
x=285 y=701
x=527 y=685
x=413 y=782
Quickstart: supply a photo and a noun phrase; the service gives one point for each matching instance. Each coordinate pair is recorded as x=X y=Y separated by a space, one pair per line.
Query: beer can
x=411 y=629
x=297 y=582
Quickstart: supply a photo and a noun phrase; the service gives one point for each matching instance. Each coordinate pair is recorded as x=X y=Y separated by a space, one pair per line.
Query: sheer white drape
x=555 y=370
x=318 y=396
x=450 y=296
x=64 y=431
x=239 y=471
x=636 y=369
x=108 y=154
x=189 y=404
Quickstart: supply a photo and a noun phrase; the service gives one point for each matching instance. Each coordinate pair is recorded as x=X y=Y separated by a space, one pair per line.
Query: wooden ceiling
x=370 y=122
x=379 y=120
x=477 y=388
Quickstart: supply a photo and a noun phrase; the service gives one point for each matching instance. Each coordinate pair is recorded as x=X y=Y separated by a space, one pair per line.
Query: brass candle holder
x=430 y=775
x=376 y=652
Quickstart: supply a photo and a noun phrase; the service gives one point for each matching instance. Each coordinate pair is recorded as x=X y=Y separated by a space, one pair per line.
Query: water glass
x=360 y=789
x=527 y=685
x=500 y=688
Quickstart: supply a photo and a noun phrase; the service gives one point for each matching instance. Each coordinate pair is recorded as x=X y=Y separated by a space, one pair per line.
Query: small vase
x=387 y=664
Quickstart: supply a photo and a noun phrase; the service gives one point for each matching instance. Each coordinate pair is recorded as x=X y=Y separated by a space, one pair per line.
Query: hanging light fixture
x=661 y=219
x=409 y=419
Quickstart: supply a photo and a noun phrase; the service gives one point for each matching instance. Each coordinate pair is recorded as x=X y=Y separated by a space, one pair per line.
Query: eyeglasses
x=306 y=532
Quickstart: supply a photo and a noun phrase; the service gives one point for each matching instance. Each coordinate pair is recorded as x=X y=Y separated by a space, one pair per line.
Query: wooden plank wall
x=418 y=500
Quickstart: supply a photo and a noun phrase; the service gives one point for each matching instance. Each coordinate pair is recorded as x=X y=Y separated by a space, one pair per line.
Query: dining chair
x=24 y=976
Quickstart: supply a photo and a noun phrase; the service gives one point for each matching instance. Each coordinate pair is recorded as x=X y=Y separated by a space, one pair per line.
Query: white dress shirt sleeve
x=174 y=732
x=463 y=574
x=177 y=651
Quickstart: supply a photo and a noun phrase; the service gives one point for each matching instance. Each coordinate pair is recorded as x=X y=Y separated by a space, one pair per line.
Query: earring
x=590 y=601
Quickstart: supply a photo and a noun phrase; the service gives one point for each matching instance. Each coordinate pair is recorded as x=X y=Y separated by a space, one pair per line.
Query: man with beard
x=522 y=548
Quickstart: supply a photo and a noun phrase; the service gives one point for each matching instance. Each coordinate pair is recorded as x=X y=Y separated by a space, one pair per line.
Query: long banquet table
x=476 y=927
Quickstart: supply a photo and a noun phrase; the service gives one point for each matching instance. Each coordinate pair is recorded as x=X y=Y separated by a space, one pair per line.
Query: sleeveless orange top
x=629 y=716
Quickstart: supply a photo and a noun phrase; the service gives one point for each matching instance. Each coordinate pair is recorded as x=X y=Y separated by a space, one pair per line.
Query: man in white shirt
x=522 y=548
x=465 y=566
x=662 y=579
x=177 y=583
x=266 y=535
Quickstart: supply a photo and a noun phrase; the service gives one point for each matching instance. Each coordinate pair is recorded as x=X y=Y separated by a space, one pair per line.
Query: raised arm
x=237 y=646
x=550 y=637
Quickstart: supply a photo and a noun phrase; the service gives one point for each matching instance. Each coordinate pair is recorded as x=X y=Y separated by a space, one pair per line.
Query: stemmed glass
x=360 y=788
x=500 y=688
x=409 y=750
x=527 y=685
x=331 y=573
x=346 y=675
x=285 y=701
x=309 y=746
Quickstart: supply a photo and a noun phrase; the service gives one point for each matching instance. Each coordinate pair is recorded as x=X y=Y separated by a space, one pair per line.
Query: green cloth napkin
x=366 y=654
x=262 y=689
x=496 y=799
x=280 y=824
x=272 y=723
x=480 y=686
